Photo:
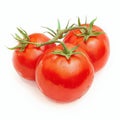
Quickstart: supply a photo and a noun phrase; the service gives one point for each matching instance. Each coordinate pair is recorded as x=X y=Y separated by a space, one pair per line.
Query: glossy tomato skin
x=97 y=47
x=25 y=62
x=64 y=80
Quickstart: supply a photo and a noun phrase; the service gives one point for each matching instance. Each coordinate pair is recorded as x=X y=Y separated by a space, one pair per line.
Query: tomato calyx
x=66 y=52
x=23 y=41
x=89 y=30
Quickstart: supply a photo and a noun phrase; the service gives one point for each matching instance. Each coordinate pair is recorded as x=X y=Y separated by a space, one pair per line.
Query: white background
x=21 y=99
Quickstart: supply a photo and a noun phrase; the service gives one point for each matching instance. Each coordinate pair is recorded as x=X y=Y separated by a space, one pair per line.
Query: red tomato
x=97 y=47
x=25 y=61
x=62 y=79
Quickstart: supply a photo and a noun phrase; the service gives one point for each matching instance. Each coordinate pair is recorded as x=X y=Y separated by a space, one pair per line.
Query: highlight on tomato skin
x=96 y=46
x=62 y=79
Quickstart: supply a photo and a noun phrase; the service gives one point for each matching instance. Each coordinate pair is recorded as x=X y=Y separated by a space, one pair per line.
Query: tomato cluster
x=63 y=71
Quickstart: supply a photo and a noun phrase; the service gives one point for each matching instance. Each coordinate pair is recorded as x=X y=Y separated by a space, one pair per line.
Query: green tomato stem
x=59 y=35
x=25 y=40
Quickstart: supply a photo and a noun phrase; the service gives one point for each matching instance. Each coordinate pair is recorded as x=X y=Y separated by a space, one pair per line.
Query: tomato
x=97 y=46
x=25 y=61
x=62 y=79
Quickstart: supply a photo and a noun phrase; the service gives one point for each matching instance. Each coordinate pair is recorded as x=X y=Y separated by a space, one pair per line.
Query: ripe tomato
x=63 y=79
x=25 y=61
x=96 y=46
